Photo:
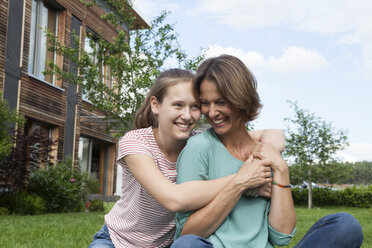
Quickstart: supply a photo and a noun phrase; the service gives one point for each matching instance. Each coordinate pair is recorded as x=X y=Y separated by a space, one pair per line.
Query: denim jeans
x=339 y=230
x=102 y=239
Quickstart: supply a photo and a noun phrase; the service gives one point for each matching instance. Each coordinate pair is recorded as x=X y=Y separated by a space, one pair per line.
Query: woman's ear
x=154 y=105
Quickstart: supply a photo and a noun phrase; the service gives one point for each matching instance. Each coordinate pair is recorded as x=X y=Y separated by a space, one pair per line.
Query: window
x=43 y=17
x=89 y=156
x=91 y=47
x=42 y=139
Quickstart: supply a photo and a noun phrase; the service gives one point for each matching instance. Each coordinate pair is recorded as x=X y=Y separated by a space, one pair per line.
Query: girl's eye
x=178 y=105
x=196 y=106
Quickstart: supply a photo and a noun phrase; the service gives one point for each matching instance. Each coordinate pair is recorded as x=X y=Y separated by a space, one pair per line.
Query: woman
x=144 y=215
x=229 y=100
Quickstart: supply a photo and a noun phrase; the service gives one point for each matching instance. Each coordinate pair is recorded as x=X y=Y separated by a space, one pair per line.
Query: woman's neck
x=170 y=147
x=239 y=143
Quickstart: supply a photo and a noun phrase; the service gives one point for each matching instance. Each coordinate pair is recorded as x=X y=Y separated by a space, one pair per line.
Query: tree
x=132 y=66
x=311 y=145
x=8 y=117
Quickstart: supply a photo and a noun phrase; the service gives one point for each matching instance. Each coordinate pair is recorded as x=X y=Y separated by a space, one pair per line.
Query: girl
x=144 y=215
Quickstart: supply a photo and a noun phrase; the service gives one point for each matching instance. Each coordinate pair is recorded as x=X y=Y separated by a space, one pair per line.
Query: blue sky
x=318 y=53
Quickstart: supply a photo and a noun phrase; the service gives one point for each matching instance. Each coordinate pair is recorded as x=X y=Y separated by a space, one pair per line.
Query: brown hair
x=235 y=83
x=144 y=116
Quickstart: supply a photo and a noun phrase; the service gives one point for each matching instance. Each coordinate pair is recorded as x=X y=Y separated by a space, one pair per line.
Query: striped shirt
x=137 y=220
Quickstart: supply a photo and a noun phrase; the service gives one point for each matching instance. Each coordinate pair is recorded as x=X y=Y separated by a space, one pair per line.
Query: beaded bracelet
x=281 y=185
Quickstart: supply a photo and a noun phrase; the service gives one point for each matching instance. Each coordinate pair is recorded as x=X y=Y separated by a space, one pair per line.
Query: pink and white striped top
x=137 y=220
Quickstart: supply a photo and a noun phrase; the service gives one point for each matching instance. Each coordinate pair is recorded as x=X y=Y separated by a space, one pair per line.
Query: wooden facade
x=57 y=105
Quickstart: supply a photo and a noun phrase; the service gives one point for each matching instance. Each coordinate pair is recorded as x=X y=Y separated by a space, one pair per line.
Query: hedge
x=359 y=197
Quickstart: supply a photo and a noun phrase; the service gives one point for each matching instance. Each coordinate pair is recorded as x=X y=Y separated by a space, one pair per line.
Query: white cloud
x=251 y=58
x=150 y=9
x=356 y=152
x=293 y=60
x=297 y=60
x=348 y=21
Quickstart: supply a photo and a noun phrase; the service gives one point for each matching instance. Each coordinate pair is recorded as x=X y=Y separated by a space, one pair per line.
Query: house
x=55 y=106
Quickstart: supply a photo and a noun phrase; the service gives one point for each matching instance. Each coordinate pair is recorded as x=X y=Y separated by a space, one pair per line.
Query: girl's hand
x=264 y=191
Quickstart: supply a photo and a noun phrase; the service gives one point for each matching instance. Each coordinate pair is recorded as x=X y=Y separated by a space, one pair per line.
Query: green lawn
x=77 y=229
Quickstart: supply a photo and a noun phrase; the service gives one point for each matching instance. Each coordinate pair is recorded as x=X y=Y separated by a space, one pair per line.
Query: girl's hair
x=144 y=116
x=235 y=83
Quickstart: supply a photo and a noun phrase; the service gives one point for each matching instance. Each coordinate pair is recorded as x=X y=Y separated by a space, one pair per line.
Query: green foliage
x=310 y=145
x=23 y=202
x=134 y=59
x=4 y=211
x=29 y=204
x=93 y=185
x=108 y=206
x=62 y=186
x=8 y=117
x=96 y=205
x=360 y=197
x=27 y=155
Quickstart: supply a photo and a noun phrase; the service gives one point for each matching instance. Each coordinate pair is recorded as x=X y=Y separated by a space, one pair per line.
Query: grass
x=307 y=217
x=77 y=229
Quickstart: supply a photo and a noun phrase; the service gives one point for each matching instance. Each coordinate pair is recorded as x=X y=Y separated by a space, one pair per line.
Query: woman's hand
x=265 y=151
x=253 y=173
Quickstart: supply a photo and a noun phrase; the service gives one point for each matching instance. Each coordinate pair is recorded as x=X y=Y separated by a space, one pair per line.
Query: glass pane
x=31 y=55
x=84 y=153
x=52 y=28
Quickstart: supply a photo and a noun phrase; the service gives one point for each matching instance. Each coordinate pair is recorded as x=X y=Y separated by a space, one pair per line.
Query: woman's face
x=178 y=112
x=220 y=114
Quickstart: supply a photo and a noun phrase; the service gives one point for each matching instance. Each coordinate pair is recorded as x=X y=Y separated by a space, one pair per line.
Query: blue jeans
x=339 y=230
x=102 y=239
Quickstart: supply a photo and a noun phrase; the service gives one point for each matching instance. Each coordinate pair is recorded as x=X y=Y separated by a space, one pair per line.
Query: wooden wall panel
x=3 y=25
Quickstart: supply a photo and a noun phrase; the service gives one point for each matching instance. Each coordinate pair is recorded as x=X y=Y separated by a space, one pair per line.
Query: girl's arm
x=206 y=220
x=274 y=137
x=174 y=197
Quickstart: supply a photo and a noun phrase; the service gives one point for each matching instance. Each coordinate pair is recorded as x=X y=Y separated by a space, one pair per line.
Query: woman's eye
x=204 y=103
x=221 y=103
x=178 y=105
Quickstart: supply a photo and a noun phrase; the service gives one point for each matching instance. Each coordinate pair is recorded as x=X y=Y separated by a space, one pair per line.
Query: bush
x=62 y=186
x=96 y=206
x=93 y=185
x=4 y=211
x=360 y=197
x=29 y=204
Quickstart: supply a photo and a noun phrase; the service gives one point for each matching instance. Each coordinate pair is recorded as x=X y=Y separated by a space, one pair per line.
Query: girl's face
x=220 y=114
x=178 y=112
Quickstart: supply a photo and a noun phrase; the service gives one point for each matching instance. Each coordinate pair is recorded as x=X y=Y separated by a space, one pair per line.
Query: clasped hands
x=256 y=171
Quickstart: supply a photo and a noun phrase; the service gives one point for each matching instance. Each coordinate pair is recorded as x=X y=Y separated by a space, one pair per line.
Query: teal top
x=206 y=158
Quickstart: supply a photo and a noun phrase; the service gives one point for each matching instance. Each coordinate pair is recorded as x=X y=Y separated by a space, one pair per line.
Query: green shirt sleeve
x=192 y=164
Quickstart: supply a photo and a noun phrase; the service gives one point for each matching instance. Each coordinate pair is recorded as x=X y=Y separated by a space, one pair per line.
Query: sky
x=318 y=53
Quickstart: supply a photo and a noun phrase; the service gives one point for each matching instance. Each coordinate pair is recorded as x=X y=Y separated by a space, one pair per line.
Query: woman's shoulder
x=201 y=137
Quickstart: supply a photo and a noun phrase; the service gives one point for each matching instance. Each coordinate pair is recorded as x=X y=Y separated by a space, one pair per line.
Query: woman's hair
x=144 y=116
x=235 y=83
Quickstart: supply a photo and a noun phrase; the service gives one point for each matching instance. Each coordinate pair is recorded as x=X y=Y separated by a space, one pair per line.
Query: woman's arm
x=206 y=220
x=282 y=215
x=174 y=197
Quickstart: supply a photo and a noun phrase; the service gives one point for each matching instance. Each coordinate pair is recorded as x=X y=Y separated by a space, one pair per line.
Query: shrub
x=108 y=206
x=4 y=211
x=96 y=205
x=62 y=186
x=93 y=184
x=353 y=197
x=29 y=204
